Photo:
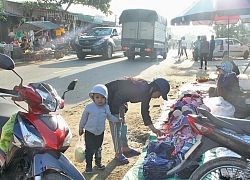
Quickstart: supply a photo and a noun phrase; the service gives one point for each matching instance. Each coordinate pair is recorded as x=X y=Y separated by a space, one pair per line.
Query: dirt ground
x=177 y=73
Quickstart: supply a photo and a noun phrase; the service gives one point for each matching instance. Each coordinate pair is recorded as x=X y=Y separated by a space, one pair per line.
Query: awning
x=37 y=25
x=85 y=18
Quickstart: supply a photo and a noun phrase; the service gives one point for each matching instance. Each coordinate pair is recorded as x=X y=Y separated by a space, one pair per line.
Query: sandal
x=132 y=152
x=122 y=159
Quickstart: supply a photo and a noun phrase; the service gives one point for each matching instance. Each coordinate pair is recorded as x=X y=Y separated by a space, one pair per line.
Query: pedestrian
x=184 y=46
x=179 y=47
x=10 y=40
x=24 y=45
x=92 y=124
x=211 y=48
x=134 y=90
x=204 y=50
x=197 y=44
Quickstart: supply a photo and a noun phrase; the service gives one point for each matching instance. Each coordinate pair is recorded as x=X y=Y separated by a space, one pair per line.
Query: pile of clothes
x=178 y=137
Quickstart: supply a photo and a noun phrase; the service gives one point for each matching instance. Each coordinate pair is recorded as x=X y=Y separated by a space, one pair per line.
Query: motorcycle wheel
x=223 y=168
x=55 y=176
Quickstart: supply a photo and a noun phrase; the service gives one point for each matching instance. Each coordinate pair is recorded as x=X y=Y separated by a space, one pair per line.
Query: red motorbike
x=39 y=137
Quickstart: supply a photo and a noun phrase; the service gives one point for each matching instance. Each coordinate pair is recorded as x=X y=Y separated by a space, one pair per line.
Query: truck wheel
x=108 y=53
x=81 y=55
x=165 y=55
x=132 y=57
x=153 y=55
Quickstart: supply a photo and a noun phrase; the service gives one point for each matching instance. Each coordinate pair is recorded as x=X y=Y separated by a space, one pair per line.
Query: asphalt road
x=89 y=72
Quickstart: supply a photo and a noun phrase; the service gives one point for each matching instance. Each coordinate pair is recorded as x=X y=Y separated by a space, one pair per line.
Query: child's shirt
x=94 y=116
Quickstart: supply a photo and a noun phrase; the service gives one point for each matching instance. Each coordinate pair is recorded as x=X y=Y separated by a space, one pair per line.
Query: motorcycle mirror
x=6 y=62
x=71 y=86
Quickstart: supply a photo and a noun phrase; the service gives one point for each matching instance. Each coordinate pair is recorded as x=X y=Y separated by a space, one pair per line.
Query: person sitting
x=24 y=45
x=228 y=88
x=231 y=60
x=37 y=45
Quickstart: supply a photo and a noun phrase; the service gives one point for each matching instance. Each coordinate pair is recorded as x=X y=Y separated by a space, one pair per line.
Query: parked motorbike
x=61 y=49
x=39 y=137
x=213 y=132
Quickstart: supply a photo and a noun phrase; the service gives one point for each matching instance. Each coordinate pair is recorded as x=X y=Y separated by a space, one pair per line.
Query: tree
x=102 y=5
x=237 y=31
x=28 y=7
x=2 y=16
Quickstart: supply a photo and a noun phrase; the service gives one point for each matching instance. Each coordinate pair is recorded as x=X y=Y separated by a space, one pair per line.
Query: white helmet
x=100 y=89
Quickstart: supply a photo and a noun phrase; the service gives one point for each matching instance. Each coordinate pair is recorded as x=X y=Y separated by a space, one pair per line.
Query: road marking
x=62 y=71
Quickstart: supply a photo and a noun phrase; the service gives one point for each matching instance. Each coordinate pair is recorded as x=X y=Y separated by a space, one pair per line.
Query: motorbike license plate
x=137 y=49
x=86 y=50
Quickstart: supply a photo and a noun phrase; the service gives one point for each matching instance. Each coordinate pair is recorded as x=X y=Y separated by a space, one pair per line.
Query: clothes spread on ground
x=169 y=150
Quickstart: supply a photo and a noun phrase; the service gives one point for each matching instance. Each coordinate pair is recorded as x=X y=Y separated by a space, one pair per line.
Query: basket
x=8 y=47
x=200 y=80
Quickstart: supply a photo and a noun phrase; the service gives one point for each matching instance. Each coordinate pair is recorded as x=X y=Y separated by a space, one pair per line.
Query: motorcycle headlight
x=50 y=102
x=101 y=41
x=30 y=139
x=67 y=139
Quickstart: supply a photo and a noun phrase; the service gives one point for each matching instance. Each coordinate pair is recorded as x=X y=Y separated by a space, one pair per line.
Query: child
x=93 y=121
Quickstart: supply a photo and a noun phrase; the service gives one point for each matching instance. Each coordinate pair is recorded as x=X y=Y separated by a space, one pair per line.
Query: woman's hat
x=226 y=66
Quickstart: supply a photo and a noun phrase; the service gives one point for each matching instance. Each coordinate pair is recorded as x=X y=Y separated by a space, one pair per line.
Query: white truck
x=143 y=33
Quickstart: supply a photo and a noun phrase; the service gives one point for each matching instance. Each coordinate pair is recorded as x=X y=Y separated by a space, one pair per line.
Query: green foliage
x=238 y=31
x=2 y=17
x=102 y=5
x=29 y=6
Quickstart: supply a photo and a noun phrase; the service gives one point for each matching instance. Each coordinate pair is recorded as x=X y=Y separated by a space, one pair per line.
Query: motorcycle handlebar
x=7 y=91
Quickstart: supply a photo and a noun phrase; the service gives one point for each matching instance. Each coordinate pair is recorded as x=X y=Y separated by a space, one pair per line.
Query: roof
x=144 y=15
x=85 y=18
x=37 y=25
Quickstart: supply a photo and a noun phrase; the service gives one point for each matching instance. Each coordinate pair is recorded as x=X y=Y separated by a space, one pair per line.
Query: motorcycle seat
x=243 y=124
x=238 y=125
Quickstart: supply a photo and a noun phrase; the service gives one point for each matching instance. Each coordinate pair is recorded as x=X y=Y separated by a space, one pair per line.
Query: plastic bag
x=219 y=106
x=80 y=150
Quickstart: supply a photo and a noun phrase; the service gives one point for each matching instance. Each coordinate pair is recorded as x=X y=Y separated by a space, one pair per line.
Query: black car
x=99 y=41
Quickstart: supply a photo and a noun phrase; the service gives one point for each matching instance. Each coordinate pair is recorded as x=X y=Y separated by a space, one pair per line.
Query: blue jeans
x=119 y=132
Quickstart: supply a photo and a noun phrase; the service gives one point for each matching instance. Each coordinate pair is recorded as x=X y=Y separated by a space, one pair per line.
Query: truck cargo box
x=143 y=33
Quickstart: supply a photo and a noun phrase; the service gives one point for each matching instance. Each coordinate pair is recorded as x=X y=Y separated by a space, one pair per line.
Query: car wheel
x=246 y=55
x=81 y=55
x=108 y=53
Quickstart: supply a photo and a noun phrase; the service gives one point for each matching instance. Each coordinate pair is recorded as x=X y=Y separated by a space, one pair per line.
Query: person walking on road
x=197 y=44
x=93 y=121
x=134 y=90
x=211 y=48
x=184 y=47
x=204 y=50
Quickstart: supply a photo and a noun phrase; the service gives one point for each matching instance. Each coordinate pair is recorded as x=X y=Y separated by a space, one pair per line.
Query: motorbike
x=61 y=49
x=40 y=136
x=213 y=132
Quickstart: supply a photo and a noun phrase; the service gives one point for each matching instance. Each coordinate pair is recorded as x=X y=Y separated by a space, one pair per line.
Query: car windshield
x=99 y=32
